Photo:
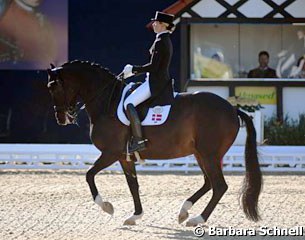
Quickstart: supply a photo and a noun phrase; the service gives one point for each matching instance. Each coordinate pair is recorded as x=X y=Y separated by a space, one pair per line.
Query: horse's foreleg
x=102 y=162
x=183 y=214
x=131 y=177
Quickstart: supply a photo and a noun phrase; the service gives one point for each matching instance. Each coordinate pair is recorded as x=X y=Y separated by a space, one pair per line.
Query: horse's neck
x=98 y=102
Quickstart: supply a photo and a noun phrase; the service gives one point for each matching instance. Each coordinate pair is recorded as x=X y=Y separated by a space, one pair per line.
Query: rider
x=157 y=75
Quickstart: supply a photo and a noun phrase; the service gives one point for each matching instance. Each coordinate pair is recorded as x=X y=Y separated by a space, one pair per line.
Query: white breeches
x=138 y=96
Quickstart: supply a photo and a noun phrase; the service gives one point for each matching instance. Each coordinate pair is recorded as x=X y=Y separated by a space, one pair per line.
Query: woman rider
x=157 y=76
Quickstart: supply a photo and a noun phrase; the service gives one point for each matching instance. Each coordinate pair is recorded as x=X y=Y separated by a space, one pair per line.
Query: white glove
x=127 y=71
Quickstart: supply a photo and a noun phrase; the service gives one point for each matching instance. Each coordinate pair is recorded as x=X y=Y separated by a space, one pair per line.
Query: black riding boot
x=137 y=143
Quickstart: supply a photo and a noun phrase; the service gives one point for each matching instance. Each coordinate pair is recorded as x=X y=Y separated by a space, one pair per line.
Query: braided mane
x=96 y=66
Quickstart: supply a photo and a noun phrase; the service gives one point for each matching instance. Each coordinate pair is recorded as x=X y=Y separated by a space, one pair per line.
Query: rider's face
x=159 y=27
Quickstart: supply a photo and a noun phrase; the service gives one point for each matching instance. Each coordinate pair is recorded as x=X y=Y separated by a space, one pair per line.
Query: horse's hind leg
x=183 y=214
x=213 y=171
x=131 y=177
x=102 y=162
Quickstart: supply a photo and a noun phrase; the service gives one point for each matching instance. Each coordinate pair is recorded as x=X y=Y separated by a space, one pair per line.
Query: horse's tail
x=253 y=179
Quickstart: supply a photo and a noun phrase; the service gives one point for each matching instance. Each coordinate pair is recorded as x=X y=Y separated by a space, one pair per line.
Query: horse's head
x=78 y=79
x=64 y=92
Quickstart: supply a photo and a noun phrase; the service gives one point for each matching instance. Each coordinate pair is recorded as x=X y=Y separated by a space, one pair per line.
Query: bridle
x=72 y=111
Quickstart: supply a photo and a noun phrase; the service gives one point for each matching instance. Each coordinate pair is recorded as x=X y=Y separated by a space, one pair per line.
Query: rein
x=119 y=78
x=100 y=92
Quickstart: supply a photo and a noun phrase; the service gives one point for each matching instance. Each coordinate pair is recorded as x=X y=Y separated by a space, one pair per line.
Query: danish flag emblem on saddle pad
x=156 y=117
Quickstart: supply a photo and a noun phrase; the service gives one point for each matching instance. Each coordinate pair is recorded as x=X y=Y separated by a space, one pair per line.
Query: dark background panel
x=114 y=32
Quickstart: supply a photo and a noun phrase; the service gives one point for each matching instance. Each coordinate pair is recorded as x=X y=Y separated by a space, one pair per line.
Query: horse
x=199 y=123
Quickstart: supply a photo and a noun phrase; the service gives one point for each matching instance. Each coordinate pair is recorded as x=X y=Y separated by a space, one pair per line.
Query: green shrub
x=287 y=132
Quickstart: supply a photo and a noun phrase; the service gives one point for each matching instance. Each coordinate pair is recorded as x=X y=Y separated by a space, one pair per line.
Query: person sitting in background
x=218 y=57
x=263 y=71
x=299 y=70
x=213 y=67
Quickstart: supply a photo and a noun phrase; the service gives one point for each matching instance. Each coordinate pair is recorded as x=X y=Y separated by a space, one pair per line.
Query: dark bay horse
x=201 y=123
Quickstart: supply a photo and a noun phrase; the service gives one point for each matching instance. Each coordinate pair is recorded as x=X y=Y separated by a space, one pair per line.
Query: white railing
x=65 y=156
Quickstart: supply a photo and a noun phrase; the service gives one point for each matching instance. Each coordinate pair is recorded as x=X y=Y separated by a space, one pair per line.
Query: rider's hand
x=127 y=71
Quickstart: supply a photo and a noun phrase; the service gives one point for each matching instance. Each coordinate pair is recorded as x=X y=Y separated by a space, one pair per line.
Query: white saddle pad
x=155 y=116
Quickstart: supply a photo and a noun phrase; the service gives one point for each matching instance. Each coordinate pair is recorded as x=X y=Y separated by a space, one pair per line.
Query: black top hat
x=164 y=17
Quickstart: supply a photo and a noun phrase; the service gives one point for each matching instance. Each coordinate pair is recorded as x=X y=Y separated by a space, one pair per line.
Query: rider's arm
x=154 y=62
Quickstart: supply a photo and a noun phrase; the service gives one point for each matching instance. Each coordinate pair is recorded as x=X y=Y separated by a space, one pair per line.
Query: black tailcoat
x=160 y=81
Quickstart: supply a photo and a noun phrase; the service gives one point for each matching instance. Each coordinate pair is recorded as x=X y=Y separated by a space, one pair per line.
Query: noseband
x=69 y=110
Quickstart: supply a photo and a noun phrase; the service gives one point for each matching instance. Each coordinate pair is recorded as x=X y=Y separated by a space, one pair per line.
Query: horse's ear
x=52 y=65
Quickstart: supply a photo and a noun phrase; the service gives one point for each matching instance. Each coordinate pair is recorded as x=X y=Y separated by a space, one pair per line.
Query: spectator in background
x=218 y=57
x=299 y=70
x=263 y=70
x=211 y=67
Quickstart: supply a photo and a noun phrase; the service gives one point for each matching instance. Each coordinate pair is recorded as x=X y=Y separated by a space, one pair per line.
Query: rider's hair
x=170 y=27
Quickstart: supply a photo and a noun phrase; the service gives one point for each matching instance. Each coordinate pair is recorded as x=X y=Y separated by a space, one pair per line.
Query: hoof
x=132 y=219
x=193 y=222
x=129 y=222
x=108 y=208
x=183 y=215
